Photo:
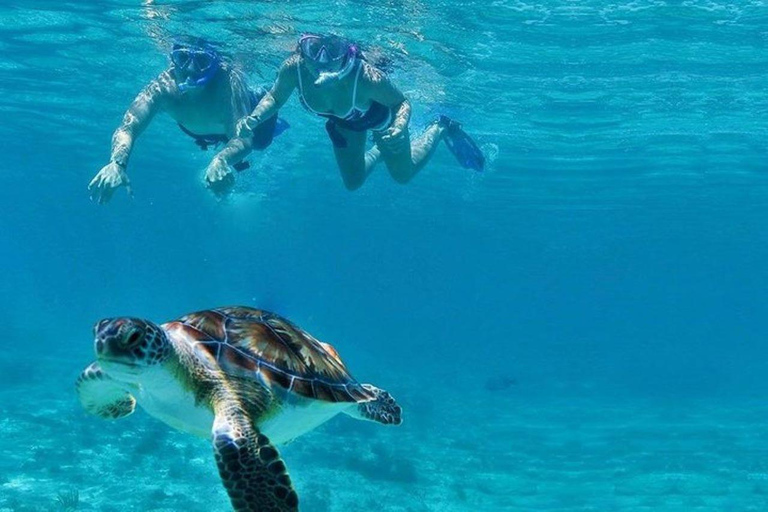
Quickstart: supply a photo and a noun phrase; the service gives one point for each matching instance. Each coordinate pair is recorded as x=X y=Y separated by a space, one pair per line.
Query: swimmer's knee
x=402 y=175
x=352 y=184
x=353 y=175
x=402 y=179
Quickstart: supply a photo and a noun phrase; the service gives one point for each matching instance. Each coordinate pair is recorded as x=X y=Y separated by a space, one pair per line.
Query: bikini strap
x=354 y=87
x=298 y=72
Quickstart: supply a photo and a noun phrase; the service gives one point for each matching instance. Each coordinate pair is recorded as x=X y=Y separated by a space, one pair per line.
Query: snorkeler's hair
x=379 y=60
x=193 y=42
x=198 y=43
x=201 y=43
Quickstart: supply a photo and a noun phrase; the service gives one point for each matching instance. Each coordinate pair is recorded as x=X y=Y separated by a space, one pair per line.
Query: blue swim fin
x=280 y=126
x=461 y=145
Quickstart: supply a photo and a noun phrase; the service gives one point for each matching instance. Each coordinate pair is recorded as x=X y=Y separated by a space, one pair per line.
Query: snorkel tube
x=327 y=76
x=326 y=50
x=192 y=83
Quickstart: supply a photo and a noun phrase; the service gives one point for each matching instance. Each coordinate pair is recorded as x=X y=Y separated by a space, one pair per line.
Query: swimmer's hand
x=110 y=177
x=218 y=177
x=245 y=127
x=394 y=139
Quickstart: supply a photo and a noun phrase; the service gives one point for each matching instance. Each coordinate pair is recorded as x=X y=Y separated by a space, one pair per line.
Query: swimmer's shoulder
x=288 y=73
x=375 y=83
x=163 y=87
x=290 y=67
x=291 y=63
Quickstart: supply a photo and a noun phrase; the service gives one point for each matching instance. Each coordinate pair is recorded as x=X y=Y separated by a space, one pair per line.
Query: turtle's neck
x=186 y=367
x=167 y=393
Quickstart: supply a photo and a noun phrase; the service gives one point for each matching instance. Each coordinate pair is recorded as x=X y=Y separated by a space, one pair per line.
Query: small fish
x=502 y=383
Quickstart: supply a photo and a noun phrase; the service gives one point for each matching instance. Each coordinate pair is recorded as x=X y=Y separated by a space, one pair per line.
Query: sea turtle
x=248 y=379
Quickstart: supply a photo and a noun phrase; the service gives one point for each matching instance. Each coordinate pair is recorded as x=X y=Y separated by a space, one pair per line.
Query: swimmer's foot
x=461 y=145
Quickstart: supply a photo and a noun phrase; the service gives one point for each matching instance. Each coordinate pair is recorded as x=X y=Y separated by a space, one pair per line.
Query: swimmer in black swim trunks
x=336 y=82
x=206 y=96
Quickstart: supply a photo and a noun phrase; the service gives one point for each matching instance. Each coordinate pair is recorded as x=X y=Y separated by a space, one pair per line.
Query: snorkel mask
x=333 y=56
x=194 y=65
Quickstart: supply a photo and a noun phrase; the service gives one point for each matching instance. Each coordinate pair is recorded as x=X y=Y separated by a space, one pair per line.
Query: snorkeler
x=337 y=83
x=205 y=95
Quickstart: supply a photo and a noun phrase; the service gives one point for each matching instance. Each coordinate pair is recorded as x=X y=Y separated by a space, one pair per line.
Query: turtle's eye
x=133 y=338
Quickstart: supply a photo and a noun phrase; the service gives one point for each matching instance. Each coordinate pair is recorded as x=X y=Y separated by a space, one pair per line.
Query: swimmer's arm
x=240 y=102
x=236 y=149
x=379 y=89
x=138 y=116
x=286 y=82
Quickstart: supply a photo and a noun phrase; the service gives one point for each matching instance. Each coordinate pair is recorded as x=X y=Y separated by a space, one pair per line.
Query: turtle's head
x=130 y=344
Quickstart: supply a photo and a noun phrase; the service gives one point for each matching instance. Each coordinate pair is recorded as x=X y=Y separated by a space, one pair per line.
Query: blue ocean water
x=580 y=327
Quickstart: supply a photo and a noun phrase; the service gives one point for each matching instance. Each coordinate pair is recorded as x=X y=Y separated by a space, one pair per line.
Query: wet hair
x=200 y=43
x=194 y=42
x=379 y=60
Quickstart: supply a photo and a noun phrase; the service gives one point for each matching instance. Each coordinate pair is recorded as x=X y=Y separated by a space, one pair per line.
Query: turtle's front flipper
x=102 y=396
x=250 y=467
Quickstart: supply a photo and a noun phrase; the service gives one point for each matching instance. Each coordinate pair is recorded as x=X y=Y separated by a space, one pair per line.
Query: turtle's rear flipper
x=102 y=396
x=250 y=467
x=383 y=409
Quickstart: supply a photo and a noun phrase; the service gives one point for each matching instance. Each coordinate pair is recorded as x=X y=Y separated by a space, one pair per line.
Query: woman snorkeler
x=337 y=83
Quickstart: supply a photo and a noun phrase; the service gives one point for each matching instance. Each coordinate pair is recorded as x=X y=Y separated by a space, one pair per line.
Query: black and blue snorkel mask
x=333 y=56
x=194 y=65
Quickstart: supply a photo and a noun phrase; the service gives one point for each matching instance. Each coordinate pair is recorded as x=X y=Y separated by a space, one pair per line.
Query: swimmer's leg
x=354 y=162
x=403 y=166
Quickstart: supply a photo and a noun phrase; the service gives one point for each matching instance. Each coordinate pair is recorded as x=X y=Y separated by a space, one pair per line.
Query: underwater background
x=582 y=327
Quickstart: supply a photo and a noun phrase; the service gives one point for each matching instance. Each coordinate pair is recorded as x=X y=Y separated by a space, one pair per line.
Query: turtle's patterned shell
x=251 y=342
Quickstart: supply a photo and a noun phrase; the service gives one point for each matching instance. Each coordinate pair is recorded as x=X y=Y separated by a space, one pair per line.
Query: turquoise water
x=581 y=327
